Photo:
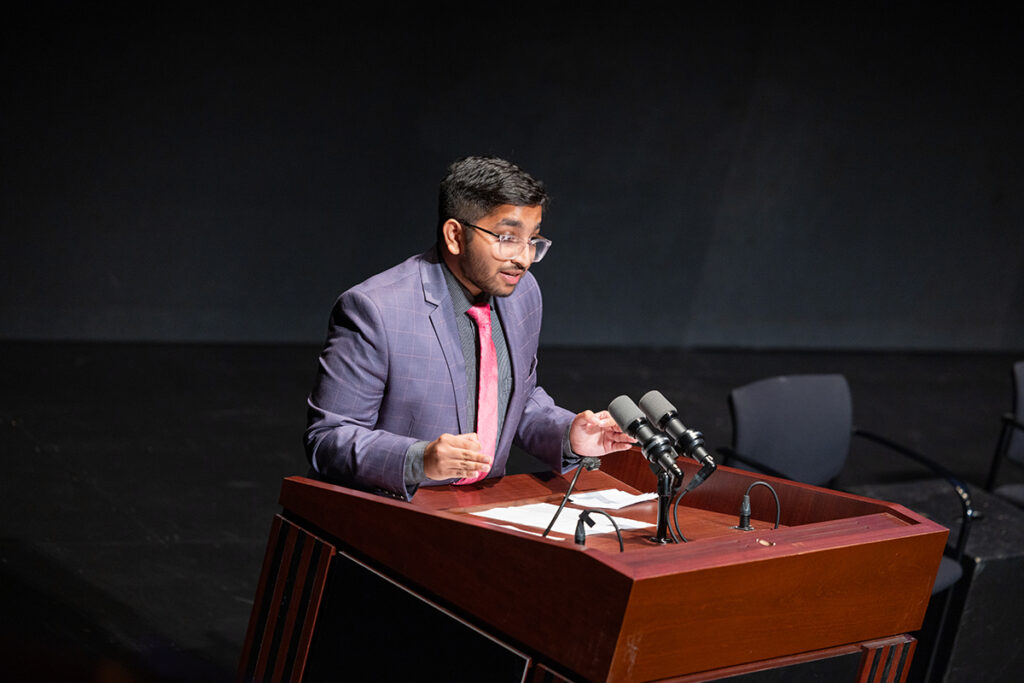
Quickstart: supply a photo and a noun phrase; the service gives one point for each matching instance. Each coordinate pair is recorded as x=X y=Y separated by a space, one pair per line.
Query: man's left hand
x=595 y=434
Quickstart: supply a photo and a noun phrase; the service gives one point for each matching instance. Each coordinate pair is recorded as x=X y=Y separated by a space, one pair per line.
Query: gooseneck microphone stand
x=659 y=452
x=589 y=464
x=668 y=484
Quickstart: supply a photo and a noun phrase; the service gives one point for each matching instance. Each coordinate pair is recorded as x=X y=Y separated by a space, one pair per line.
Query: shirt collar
x=461 y=299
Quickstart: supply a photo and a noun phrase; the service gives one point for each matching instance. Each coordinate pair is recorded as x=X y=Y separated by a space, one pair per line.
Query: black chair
x=800 y=427
x=1011 y=442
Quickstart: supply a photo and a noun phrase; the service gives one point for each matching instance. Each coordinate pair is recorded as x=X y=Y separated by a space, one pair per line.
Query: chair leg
x=939 y=634
x=1001 y=446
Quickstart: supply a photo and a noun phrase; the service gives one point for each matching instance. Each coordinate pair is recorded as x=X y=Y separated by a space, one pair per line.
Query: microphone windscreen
x=655 y=406
x=624 y=411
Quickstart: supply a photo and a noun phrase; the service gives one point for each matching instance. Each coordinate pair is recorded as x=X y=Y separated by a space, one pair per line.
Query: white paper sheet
x=539 y=515
x=610 y=499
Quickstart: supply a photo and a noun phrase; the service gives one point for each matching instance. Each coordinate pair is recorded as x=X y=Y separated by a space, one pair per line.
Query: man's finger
x=477 y=461
x=468 y=441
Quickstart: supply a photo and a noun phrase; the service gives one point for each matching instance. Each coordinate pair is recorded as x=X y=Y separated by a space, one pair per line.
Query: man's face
x=479 y=267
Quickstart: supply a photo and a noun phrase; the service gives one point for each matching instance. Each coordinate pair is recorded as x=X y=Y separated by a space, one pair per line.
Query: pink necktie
x=487 y=387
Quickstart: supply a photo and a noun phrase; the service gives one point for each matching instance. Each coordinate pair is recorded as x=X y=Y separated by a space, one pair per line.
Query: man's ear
x=454 y=236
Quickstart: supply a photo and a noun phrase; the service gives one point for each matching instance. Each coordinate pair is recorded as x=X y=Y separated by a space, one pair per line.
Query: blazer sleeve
x=341 y=440
x=543 y=428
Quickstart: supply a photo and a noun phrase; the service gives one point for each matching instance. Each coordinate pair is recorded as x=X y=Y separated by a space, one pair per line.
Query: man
x=429 y=371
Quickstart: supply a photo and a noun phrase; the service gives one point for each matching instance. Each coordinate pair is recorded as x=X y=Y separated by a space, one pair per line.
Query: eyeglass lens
x=511 y=248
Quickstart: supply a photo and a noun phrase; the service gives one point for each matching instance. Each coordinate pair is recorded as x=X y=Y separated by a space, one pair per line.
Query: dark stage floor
x=140 y=480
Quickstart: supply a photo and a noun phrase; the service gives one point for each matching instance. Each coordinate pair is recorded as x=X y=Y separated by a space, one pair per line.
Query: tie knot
x=481 y=315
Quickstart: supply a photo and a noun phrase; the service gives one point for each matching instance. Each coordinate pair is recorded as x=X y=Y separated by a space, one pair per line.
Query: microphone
x=656 y=446
x=663 y=414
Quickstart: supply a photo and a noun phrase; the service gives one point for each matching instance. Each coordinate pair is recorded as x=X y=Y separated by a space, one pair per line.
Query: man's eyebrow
x=515 y=223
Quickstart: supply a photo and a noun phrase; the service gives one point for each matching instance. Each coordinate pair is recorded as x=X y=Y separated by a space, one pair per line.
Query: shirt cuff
x=414 y=475
x=570 y=459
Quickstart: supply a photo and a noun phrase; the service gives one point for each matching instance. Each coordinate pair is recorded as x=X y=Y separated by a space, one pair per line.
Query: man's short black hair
x=476 y=186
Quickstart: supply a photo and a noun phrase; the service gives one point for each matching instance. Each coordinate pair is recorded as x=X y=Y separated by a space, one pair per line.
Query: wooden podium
x=834 y=590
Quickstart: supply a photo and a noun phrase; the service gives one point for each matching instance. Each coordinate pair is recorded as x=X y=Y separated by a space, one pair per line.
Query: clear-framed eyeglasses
x=510 y=246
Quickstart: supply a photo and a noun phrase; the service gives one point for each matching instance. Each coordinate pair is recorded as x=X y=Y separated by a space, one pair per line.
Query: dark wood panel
x=286 y=605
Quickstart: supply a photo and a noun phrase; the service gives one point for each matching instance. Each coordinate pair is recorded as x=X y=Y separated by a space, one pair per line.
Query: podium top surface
x=812 y=518
x=711 y=533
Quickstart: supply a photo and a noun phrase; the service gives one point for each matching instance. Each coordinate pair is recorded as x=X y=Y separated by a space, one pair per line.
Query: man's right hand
x=454 y=456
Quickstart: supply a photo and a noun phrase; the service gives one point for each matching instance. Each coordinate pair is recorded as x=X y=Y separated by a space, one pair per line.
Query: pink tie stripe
x=487 y=387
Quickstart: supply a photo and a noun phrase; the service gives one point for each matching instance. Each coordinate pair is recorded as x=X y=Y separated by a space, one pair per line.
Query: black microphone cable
x=744 y=523
x=675 y=516
x=581 y=532
x=703 y=473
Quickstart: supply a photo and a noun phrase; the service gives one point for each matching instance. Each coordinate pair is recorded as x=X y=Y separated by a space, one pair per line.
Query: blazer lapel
x=435 y=293
x=516 y=335
x=511 y=323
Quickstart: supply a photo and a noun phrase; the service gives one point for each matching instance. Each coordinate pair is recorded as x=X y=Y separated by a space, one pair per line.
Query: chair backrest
x=1015 y=451
x=799 y=425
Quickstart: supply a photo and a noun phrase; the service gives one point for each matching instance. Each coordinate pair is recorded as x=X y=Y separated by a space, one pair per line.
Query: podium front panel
x=372 y=624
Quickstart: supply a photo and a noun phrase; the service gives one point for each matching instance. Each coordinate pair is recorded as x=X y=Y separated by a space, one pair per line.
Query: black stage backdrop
x=762 y=175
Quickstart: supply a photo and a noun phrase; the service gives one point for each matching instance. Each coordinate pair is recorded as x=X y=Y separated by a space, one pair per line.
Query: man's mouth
x=511 y=276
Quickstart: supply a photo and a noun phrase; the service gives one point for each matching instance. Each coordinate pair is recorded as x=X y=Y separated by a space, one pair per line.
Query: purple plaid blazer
x=392 y=373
